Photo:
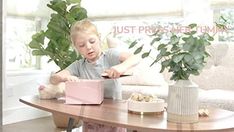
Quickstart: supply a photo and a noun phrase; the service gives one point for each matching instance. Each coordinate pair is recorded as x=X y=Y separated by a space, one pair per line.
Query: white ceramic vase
x=183 y=102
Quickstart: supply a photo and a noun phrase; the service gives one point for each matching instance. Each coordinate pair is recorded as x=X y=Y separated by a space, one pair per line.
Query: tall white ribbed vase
x=183 y=102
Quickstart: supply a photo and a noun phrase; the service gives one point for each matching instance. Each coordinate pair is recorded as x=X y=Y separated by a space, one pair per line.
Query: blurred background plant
x=55 y=41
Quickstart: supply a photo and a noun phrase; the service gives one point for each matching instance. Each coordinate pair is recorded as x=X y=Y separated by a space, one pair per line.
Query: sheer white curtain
x=197 y=11
x=126 y=8
x=28 y=8
x=222 y=3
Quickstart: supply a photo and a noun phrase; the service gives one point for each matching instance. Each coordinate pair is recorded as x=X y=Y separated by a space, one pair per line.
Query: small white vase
x=183 y=102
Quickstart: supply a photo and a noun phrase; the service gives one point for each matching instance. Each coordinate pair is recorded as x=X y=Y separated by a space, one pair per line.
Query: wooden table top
x=115 y=113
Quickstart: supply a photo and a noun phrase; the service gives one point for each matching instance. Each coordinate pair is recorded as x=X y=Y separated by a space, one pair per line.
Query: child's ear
x=100 y=37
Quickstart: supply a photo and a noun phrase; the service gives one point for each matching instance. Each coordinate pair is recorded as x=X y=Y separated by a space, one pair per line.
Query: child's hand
x=62 y=76
x=71 y=78
x=114 y=72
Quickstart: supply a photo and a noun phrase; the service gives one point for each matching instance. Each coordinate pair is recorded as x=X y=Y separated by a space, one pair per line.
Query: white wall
x=18 y=84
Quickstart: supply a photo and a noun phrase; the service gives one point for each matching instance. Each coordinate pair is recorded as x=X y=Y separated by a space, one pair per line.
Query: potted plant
x=183 y=54
x=58 y=47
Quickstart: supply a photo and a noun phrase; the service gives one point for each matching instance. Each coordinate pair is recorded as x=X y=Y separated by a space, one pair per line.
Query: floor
x=44 y=124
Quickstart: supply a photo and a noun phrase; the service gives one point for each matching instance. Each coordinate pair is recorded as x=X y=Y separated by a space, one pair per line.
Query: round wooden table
x=115 y=113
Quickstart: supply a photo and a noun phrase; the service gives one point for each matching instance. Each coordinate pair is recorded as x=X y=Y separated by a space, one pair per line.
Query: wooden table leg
x=70 y=124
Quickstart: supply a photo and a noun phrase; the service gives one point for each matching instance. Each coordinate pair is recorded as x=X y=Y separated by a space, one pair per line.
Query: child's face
x=88 y=45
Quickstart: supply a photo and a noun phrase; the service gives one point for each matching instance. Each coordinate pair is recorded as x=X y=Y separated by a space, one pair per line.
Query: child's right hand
x=114 y=72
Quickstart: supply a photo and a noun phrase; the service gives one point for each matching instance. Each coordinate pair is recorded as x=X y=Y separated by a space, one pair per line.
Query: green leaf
x=197 y=55
x=161 y=46
x=188 y=58
x=193 y=25
x=175 y=48
x=154 y=34
x=78 y=13
x=138 y=50
x=191 y=40
x=73 y=1
x=167 y=53
x=162 y=69
x=185 y=38
x=207 y=54
x=194 y=72
x=53 y=26
x=70 y=19
x=176 y=68
x=146 y=54
x=159 y=57
x=197 y=66
x=51 y=35
x=187 y=47
x=174 y=39
x=221 y=26
x=193 y=32
x=163 y=51
x=73 y=55
x=154 y=40
x=177 y=58
x=210 y=38
x=37 y=52
x=153 y=63
x=39 y=37
x=133 y=44
x=58 y=6
x=225 y=20
x=166 y=63
x=34 y=45
x=49 y=60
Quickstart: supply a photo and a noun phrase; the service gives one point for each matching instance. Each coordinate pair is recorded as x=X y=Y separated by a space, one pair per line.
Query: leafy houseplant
x=185 y=53
x=182 y=54
x=59 y=49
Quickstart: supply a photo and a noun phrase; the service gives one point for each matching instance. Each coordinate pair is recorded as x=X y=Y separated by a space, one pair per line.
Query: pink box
x=84 y=92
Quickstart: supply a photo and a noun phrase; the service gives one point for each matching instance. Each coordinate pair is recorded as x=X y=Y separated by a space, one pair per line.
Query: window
x=228 y=14
x=22 y=19
x=18 y=34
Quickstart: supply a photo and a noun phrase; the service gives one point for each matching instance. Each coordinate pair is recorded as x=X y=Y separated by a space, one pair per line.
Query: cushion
x=219 y=70
x=217 y=98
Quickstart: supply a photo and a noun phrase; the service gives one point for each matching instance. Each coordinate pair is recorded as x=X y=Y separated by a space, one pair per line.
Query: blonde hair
x=82 y=26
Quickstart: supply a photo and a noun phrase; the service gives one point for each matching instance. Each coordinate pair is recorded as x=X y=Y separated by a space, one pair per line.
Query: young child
x=86 y=41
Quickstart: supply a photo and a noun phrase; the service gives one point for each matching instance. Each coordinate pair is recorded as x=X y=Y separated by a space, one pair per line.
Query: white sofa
x=216 y=82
